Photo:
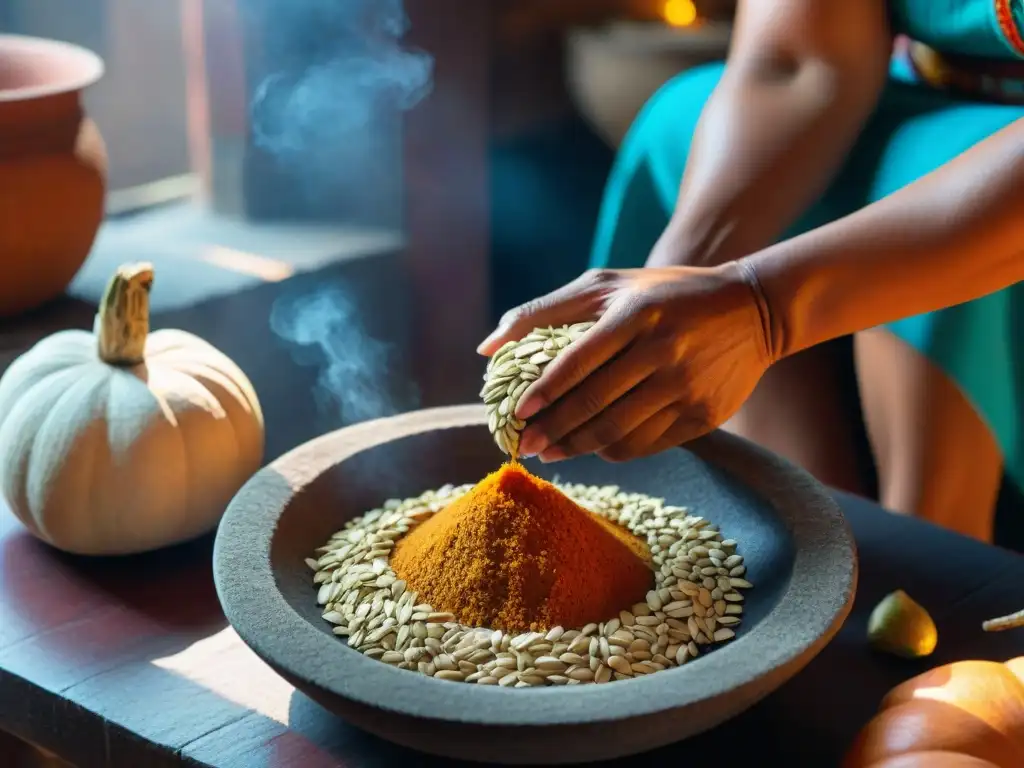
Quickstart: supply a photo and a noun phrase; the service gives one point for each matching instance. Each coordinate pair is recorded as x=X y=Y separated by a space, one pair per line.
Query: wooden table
x=129 y=662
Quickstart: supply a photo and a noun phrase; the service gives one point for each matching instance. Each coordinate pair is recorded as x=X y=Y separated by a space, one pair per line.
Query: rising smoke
x=342 y=66
x=342 y=63
x=326 y=328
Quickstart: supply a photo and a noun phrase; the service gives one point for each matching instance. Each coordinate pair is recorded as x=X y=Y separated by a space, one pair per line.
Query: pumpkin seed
x=697 y=599
x=509 y=374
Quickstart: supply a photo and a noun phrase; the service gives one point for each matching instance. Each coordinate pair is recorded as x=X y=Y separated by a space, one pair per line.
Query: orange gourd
x=969 y=714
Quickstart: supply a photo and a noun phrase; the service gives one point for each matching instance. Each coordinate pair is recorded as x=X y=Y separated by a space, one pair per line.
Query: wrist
x=771 y=328
x=806 y=302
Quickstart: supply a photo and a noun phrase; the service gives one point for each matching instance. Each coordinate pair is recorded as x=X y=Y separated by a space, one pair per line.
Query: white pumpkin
x=121 y=441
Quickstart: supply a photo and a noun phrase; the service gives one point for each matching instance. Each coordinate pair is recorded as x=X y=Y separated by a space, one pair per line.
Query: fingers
x=615 y=422
x=641 y=443
x=642 y=439
x=595 y=393
x=572 y=303
x=610 y=335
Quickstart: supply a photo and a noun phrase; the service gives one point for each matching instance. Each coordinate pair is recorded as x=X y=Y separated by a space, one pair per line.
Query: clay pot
x=52 y=169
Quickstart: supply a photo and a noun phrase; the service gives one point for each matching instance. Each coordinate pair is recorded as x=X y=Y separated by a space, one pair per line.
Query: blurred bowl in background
x=613 y=70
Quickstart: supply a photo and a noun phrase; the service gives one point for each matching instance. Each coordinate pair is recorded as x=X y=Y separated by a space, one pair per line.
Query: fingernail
x=532 y=443
x=552 y=455
x=528 y=407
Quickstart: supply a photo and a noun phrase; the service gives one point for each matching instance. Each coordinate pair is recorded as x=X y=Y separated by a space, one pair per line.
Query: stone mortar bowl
x=798 y=549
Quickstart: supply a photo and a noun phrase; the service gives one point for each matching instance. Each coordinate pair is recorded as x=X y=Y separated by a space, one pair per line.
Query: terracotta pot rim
x=87 y=66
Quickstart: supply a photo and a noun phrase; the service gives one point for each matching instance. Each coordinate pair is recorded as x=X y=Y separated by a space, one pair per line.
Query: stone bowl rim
x=813 y=607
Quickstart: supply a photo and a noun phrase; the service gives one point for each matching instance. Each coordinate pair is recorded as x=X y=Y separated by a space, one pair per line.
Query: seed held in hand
x=509 y=373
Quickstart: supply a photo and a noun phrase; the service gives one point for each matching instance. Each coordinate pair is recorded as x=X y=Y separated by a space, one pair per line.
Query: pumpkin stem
x=1012 y=621
x=122 y=323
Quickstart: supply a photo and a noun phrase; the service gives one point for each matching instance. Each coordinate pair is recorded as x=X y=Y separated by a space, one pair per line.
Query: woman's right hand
x=674 y=353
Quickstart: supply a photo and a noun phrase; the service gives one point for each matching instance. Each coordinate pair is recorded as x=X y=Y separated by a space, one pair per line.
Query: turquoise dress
x=915 y=129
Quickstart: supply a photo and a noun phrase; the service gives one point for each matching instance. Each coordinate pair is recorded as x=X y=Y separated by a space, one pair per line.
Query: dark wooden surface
x=129 y=662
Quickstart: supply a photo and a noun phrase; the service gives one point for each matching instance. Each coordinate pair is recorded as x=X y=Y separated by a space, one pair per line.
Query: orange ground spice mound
x=515 y=553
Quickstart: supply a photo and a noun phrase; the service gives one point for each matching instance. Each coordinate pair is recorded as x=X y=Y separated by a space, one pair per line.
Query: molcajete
x=52 y=169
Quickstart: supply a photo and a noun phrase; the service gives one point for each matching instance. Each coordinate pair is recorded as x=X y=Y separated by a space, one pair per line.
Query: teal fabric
x=913 y=131
x=970 y=27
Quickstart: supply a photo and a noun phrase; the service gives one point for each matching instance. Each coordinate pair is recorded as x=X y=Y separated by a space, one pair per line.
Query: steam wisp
x=343 y=68
x=326 y=329
x=344 y=65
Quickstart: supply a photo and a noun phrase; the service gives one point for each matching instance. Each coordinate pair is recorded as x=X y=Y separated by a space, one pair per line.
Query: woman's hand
x=674 y=353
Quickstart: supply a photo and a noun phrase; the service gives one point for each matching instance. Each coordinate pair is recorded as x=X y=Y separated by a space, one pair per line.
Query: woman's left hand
x=674 y=353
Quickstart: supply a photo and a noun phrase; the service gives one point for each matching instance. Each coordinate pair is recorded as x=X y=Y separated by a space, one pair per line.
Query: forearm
x=952 y=236
x=787 y=110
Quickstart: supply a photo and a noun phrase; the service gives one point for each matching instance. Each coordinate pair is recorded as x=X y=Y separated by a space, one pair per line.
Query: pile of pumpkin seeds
x=511 y=370
x=697 y=600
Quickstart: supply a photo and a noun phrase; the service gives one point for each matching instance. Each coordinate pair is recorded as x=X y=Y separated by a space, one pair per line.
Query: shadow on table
x=19 y=333
x=336 y=742
x=825 y=709
x=36 y=578
x=75 y=632
x=329 y=741
x=341 y=741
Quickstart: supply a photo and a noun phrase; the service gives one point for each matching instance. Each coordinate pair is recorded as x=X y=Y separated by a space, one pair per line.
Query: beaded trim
x=1000 y=84
x=1008 y=25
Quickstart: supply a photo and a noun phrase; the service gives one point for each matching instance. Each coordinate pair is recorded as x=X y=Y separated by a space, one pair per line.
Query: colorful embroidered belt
x=994 y=80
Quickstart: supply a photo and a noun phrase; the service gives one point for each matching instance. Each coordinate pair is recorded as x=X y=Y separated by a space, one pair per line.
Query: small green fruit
x=900 y=626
